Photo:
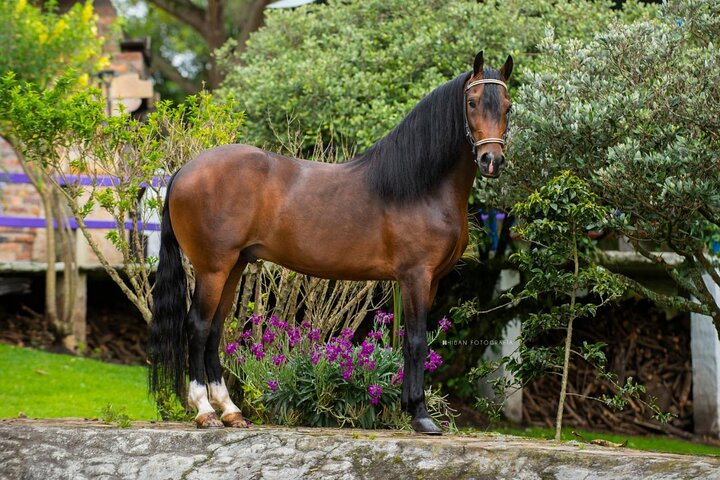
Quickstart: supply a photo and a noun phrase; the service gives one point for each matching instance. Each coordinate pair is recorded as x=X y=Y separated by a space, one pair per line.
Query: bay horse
x=397 y=212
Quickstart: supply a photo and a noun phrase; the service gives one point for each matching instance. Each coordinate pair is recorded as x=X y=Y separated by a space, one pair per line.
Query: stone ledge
x=36 y=449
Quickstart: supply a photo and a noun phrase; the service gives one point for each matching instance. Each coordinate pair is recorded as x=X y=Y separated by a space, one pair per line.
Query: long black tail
x=168 y=341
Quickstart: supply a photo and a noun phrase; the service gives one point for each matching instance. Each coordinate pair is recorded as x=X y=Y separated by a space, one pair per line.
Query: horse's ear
x=506 y=69
x=478 y=64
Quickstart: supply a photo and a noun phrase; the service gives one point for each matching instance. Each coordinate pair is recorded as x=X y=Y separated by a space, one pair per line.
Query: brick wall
x=16 y=244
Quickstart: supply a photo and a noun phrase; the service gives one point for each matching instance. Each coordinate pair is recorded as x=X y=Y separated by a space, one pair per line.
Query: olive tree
x=635 y=113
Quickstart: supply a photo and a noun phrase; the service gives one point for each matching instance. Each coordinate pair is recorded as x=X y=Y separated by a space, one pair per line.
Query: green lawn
x=651 y=443
x=47 y=385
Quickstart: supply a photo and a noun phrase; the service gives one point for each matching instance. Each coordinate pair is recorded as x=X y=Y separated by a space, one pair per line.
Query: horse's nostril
x=502 y=160
x=486 y=158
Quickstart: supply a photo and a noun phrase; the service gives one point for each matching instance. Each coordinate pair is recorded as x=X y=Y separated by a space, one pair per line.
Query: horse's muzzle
x=491 y=164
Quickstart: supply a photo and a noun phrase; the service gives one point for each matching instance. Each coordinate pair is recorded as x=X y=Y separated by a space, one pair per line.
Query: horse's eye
x=472 y=104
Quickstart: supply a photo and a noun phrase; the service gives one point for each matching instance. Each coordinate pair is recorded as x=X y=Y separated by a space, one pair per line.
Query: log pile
x=644 y=343
x=115 y=332
x=117 y=336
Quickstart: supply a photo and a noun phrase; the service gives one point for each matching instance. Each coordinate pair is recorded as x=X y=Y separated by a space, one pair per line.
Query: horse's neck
x=460 y=180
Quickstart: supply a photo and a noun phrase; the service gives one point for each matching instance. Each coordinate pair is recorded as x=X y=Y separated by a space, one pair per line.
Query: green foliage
x=351 y=70
x=634 y=112
x=115 y=416
x=555 y=221
x=170 y=408
x=39 y=45
x=43 y=123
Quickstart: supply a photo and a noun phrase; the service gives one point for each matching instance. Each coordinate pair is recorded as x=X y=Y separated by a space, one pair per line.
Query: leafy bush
x=39 y=45
x=559 y=263
x=290 y=377
x=351 y=70
x=633 y=112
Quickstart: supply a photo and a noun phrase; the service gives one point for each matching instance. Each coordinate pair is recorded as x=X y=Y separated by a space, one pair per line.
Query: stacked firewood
x=114 y=333
x=117 y=337
x=646 y=343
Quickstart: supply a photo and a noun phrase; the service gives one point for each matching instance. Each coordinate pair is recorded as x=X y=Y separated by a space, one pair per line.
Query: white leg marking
x=197 y=397
x=220 y=398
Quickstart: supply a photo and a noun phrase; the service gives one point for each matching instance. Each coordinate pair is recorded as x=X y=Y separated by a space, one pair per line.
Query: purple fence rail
x=100 y=181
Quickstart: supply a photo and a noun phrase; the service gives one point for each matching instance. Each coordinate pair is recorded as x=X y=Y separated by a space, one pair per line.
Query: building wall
x=28 y=244
x=16 y=244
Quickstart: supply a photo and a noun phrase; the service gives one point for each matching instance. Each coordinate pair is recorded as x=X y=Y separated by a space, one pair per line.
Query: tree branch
x=254 y=19
x=186 y=12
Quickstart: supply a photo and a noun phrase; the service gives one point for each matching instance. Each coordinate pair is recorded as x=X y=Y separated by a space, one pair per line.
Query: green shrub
x=634 y=113
x=350 y=70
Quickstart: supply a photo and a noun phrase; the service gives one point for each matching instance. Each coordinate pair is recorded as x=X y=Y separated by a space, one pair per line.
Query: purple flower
x=332 y=352
x=315 y=356
x=434 y=360
x=370 y=366
x=294 y=336
x=375 y=391
x=445 y=424
x=246 y=334
x=258 y=351
x=256 y=319
x=347 y=373
x=401 y=333
x=314 y=335
x=268 y=337
x=383 y=318
x=397 y=379
x=230 y=348
x=347 y=334
x=279 y=360
x=445 y=324
x=346 y=360
x=305 y=325
x=375 y=335
x=240 y=359
x=367 y=348
x=273 y=384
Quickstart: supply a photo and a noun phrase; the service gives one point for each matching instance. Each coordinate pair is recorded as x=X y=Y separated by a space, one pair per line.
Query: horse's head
x=487 y=106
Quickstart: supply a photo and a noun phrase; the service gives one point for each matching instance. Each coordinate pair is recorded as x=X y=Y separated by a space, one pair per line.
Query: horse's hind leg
x=208 y=289
x=219 y=396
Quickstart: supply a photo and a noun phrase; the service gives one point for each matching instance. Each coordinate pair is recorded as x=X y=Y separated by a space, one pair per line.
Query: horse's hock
x=32 y=449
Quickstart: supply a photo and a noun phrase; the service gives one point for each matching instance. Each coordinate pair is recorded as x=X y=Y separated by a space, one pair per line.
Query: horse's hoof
x=235 y=420
x=208 y=420
x=426 y=426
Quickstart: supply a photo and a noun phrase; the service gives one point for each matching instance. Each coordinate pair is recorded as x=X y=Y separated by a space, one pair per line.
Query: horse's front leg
x=418 y=290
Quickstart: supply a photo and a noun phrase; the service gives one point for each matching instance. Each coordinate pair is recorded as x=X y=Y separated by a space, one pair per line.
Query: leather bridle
x=468 y=133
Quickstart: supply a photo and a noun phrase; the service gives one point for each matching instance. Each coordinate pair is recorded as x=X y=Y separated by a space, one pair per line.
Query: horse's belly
x=327 y=259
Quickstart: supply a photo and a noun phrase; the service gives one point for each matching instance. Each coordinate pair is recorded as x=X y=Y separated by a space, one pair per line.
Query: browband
x=485 y=80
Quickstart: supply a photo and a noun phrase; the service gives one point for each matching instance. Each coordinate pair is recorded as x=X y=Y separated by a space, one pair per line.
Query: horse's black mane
x=411 y=160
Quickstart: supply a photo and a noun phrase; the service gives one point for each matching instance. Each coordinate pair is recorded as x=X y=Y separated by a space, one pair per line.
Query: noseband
x=468 y=133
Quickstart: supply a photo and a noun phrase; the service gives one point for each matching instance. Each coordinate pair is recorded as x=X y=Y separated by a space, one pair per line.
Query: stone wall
x=38 y=450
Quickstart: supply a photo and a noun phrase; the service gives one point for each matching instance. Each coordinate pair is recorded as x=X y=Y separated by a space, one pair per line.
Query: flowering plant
x=290 y=377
